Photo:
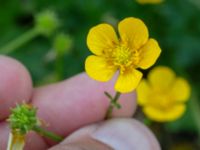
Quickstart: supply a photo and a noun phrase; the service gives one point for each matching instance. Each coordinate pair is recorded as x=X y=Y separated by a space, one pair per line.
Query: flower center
x=122 y=56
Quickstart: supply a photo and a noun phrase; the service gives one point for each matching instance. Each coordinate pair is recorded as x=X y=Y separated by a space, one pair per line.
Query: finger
x=76 y=102
x=84 y=144
x=15 y=85
x=4 y=132
x=33 y=141
x=116 y=134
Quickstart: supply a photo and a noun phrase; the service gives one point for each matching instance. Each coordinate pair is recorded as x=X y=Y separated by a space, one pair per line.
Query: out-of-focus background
x=174 y=23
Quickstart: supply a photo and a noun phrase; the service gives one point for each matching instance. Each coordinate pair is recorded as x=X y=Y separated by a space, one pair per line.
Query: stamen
x=122 y=56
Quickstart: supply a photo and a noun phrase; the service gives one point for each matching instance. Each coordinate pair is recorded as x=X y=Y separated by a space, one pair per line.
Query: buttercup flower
x=131 y=51
x=149 y=1
x=163 y=95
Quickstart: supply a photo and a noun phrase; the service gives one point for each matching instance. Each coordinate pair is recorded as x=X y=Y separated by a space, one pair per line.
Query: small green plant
x=22 y=120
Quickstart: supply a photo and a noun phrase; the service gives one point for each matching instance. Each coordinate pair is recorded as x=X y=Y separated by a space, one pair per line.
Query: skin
x=73 y=108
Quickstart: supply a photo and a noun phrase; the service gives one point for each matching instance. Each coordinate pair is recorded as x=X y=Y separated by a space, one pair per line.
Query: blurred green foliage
x=174 y=23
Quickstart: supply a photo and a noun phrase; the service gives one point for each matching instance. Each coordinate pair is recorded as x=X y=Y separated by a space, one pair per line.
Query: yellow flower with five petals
x=163 y=95
x=126 y=54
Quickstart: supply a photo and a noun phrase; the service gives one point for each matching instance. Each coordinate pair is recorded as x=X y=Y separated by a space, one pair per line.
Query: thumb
x=117 y=134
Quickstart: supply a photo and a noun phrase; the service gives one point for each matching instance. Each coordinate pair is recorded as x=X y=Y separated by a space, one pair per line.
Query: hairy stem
x=48 y=134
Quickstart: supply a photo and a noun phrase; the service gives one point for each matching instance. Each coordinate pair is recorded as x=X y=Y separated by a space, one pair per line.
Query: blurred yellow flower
x=149 y=1
x=133 y=50
x=164 y=95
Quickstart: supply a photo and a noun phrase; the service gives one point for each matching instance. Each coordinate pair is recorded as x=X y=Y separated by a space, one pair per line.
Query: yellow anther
x=121 y=55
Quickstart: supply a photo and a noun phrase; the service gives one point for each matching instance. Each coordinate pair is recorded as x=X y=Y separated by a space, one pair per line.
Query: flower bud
x=46 y=22
x=23 y=118
x=62 y=43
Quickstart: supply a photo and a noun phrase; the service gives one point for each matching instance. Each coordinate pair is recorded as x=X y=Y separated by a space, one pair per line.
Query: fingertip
x=126 y=134
x=117 y=134
x=16 y=85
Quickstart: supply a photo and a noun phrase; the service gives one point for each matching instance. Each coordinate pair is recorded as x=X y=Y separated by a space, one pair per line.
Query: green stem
x=195 y=108
x=18 y=42
x=48 y=134
x=108 y=95
x=113 y=104
x=147 y=121
x=59 y=67
x=117 y=95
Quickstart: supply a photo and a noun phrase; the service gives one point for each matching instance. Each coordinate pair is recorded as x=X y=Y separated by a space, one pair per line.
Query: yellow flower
x=164 y=95
x=149 y=1
x=133 y=50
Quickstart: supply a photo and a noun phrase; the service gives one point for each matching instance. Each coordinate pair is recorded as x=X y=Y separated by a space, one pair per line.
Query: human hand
x=73 y=109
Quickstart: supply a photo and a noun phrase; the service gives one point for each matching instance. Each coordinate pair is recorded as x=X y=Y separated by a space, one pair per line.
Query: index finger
x=15 y=85
x=77 y=102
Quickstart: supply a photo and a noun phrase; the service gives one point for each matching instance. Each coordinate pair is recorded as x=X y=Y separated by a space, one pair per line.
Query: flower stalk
x=46 y=24
x=62 y=45
x=18 y=42
x=48 y=134
x=113 y=104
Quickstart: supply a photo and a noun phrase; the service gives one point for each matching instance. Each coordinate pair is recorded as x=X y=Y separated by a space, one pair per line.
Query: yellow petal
x=101 y=38
x=98 y=68
x=133 y=32
x=16 y=141
x=143 y=92
x=128 y=81
x=149 y=53
x=149 y=1
x=181 y=90
x=162 y=115
x=161 y=78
